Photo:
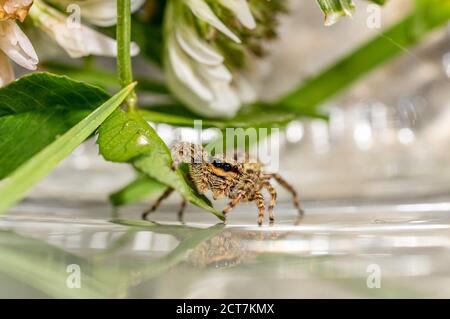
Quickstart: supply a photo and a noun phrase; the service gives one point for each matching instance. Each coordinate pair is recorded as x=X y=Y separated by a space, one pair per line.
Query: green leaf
x=94 y=76
x=138 y=190
x=21 y=180
x=36 y=109
x=126 y=137
x=428 y=15
x=103 y=78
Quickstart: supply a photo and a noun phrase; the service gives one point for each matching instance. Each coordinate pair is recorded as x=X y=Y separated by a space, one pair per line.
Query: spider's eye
x=217 y=163
x=227 y=167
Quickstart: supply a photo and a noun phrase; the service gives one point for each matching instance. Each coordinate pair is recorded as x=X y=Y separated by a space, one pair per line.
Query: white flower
x=98 y=12
x=15 y=44
x=77 y=39
x=195 y=70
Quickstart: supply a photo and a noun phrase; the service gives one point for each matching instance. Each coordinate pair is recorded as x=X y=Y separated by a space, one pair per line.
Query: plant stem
x=123 y=49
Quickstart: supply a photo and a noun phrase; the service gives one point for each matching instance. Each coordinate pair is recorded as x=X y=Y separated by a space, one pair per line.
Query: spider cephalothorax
x=240 y=181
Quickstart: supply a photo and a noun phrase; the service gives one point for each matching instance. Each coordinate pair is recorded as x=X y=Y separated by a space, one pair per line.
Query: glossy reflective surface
x=334 y=251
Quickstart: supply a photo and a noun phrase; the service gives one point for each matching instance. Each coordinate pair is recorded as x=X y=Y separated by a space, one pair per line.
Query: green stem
x=123 y=49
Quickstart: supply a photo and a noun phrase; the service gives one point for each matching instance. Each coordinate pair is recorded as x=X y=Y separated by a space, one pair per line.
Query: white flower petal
x=215 y=73
x=242 y=11
x=6 y=70
x=136 y=4
x=184 y=71
x=186 y=95
x=202 y=10
x=245 y=90
x=212 y=99
x=77 y=40
x=24 y=43
x=217 y=108
x=195 y=70
x=197 y=49
x=99 y=12
x=134 y=49
x=226 y=100
x=86 y=41
x=17 y=46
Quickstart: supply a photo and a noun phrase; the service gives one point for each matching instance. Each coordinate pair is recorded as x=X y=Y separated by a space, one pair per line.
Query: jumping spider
x=224 y=177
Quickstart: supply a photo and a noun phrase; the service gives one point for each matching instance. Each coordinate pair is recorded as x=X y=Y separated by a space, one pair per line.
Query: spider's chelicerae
x=225 y=177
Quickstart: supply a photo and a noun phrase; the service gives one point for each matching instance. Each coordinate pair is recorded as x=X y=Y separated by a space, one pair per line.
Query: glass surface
x=331 y=252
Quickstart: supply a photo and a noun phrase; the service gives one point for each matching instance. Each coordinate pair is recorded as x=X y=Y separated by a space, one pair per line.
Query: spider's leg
x=261 y=207
x=157 y=203
x=231 y=205
x=273 y=200
x=289 y=188
x=181 y=211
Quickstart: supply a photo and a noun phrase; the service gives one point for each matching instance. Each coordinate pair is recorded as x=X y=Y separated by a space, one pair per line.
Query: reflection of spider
x=241 y=182
x=224 y=250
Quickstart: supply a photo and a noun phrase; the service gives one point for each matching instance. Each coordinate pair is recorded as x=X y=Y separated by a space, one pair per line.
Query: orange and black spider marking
x=221 y=168
x=224 y=177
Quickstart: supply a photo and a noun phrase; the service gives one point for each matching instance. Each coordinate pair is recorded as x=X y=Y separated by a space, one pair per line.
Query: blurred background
x=375 y=180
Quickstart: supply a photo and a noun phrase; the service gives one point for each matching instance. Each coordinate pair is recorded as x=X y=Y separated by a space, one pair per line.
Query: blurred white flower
x=77 y=40
x=195 y=69
x=14 y=44
x=102 y=13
